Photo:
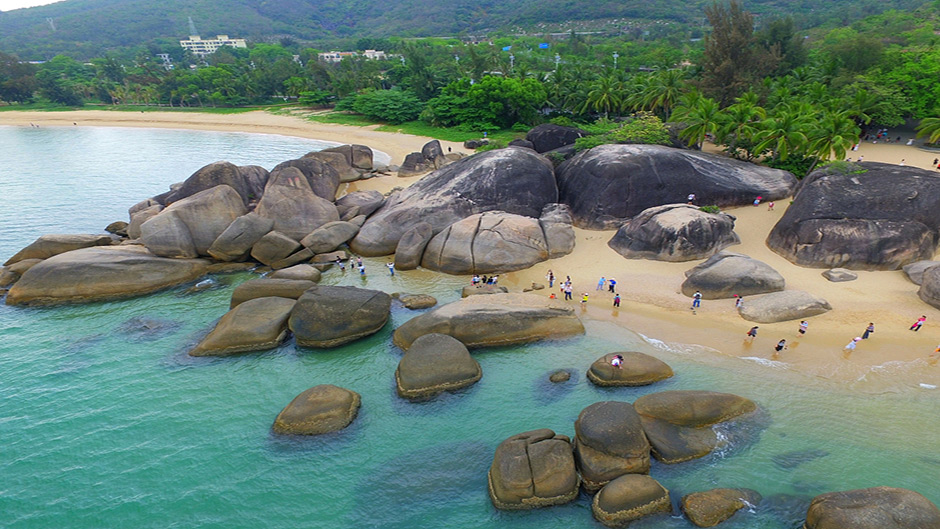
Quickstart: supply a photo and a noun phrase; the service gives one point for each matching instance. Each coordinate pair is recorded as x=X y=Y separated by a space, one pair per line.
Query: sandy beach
x=652 y=303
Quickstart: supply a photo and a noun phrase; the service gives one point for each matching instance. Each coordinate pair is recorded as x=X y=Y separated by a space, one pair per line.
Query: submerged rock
x=498 y=319
x=533 y=469
x=319 y=410
x=711 y=507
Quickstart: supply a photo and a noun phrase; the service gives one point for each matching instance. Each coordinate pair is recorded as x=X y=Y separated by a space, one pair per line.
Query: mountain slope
x=85 y=28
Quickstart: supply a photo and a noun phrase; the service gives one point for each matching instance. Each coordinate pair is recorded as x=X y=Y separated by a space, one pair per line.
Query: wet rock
x=435 y=363
x=101 y=273
x=301 y=271
x=557 y=377
x=236 y=241
x=212 y=175
x=679 y=424
x=638 y=369
x=533 y=469
x=630 y=498
x=609 y=442
x=118 y=227
x=319 y=410
x=874 y=508
x=330 y=316
x=255 y=325
x=783 y=306
x=711 y=507
x=415 y=301
x=498 y=319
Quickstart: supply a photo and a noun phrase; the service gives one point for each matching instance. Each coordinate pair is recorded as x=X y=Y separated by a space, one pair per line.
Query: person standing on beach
x=849 y=347
x=868 y=330
x=611 y=283
x=751 y=334
x=362 y=269
x=918 y=324
x=568 y=292
x=600 y=283
x=551 y=279
x=616 y=300
x=804 y=325
x=781 y=345
x=696 y=300
x=738 y=302
x=584 y=300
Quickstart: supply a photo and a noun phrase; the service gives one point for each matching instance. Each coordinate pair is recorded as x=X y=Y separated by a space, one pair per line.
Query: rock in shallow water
x=435 y=363
x=637 y=369
x=319 y=410
x=609 y=442
x=630 y=498
x=874 y=508
x=533 y=469
x=711 y=507
x=330 y=316
x=255 y=325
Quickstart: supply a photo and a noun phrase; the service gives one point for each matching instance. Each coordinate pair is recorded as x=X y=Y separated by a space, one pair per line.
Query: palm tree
x=740 y=126
x=664 y=91
x=782 y=133
x=930 y=127
x=606 y=95
x=862 y=106
x=833 y=134
x=701 y=115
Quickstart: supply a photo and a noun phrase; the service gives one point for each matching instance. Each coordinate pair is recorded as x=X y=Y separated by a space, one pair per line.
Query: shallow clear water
x=108 y=423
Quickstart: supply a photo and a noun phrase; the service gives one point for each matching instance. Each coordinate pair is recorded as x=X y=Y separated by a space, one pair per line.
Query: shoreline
x=652 y=304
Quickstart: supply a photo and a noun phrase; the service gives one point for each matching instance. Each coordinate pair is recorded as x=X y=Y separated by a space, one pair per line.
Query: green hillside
x=88 y=28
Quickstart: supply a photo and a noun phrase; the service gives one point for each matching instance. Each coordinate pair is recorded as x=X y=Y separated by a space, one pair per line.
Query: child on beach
x=616 y=300
x=918 y=324
x=751 y=334
x=738 y=302
x=804 y=325
x=770 y=206
x=849 y=347
x=696 y=300
x=584 y=299
x=781 y=345
x=868 y=330
x=617 y=361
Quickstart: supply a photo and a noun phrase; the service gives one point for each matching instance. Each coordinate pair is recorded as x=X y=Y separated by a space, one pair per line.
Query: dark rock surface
x=516 y=181
x=533 y=469
x=725 y=274
x=548 y=136
x=929 y=290
x=212 y=175
x=609 y=184
x=609 y=442
x=319 y=410
x=874 y=508
x=328 y=237
x=415 y=301
x=435 y=363
x=879 y=219
x=674 y=232
x=330 y=316
x=274 y=246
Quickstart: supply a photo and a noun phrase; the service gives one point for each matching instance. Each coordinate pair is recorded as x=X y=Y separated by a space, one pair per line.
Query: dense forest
x=84 y=29
x=764 y=91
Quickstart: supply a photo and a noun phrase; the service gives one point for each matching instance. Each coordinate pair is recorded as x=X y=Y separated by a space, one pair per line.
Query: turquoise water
x=107 y=423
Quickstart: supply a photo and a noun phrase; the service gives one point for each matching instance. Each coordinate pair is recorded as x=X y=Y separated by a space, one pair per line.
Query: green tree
x=783 y=133
x=832 y=135
x=391 y=106
x=17 y=80
x=930 y=128
x=701 y=117
x=730 y=63
x=605 y=96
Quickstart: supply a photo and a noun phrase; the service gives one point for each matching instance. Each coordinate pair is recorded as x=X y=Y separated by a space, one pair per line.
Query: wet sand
x=652 y=303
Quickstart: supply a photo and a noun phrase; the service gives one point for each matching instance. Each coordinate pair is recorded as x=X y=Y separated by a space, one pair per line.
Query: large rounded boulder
x=187 y=228
x=548 y=136
x=293 y=206
x=784 y=306
x=236 y=241
x=915 y=271
x=607 y=185
x=411 y=246
x=497 y=319
x=513 y=180
x=319 y=410
x=359 y=203
x=323 y=179
x=869 y=216
x=212 y=175
x=255 y=325
x=269 y=287
x=727 y=274
x=679 y=424
x=874 y=508
x=674 y=232
x=533 y=469
x=630 y=498
x=101 y=273
x=435 y=363
x=491 y=242
x=609 y=442
x=330 y=316
x=929 y=290
x=637 y=369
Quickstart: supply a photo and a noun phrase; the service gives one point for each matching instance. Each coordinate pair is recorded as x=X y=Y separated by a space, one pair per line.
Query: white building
x=202 y=47
x=337 y=56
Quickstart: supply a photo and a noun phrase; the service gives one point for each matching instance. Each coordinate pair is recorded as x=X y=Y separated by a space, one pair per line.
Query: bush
x=797 y=165
x=391 y=106
x=492 y=145
x=710 y=209
x=643 y=128
x=564 y=121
